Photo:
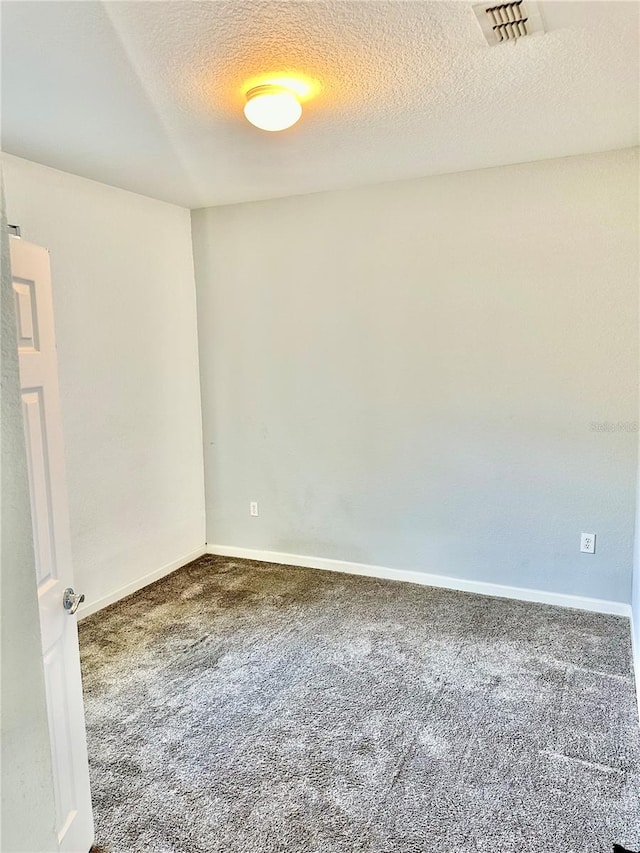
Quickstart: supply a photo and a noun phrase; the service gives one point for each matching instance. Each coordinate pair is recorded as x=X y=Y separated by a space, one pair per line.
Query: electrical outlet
x=253 y=508
x=588 y=543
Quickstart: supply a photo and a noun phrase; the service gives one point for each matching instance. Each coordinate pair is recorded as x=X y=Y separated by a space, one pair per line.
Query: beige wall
x=407 y=374
x=125 y=314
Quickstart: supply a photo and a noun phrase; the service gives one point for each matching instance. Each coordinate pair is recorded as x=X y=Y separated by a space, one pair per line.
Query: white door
x=31 y=275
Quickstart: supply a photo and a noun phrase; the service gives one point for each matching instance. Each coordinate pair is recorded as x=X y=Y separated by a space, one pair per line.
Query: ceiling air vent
x=508 y=21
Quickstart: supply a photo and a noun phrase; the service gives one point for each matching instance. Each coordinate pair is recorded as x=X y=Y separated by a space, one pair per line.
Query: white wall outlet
x=253 y=508
x=588 y=543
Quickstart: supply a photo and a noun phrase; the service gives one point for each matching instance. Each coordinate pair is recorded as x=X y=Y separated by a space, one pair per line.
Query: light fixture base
x=268 y=89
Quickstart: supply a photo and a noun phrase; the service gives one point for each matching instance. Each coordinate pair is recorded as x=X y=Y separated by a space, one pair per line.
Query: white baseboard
x=90 y=607
x=616 y=608
x=635 y=645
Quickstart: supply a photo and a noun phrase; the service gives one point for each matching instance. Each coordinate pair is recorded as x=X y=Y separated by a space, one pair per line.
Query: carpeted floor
x=252 y=708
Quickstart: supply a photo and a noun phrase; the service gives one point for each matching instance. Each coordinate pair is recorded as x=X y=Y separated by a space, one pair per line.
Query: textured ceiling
x=149 y=95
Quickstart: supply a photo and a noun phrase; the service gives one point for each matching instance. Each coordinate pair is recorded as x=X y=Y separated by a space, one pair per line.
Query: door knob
x=71 y=600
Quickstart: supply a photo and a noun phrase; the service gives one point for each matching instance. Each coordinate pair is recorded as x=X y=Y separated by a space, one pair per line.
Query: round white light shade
x=272 y=107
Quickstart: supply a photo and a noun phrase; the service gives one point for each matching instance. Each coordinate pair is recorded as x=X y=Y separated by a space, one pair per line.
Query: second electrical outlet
x=588 y=543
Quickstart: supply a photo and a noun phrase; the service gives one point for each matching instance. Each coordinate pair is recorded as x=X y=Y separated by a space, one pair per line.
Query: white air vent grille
x=508 y=21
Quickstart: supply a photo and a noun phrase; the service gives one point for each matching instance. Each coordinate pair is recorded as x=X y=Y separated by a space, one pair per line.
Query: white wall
x=125 y=314
x=635 y=592
x=28 y=805
x=407 y=374
x=635 y=597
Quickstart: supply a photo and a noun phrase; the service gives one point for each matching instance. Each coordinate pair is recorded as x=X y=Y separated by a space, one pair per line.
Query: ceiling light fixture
x=272 y=107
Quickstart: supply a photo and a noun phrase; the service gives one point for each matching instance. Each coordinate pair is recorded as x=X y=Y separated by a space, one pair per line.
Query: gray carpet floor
x=256 y=708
